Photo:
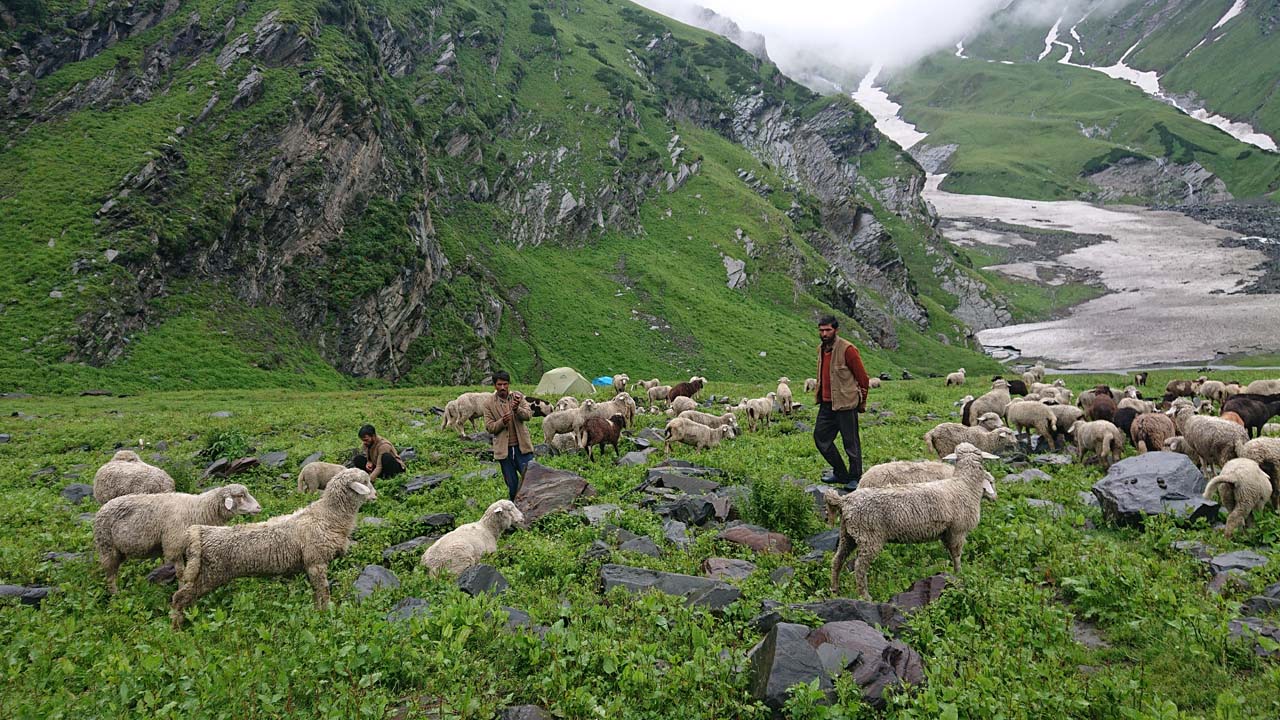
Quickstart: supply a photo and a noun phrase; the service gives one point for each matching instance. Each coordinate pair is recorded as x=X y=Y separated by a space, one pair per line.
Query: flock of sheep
x=142 y=517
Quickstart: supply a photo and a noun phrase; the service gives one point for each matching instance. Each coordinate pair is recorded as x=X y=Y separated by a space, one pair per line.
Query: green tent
x=564 y=381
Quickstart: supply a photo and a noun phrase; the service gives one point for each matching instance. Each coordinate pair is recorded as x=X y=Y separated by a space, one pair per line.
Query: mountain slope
x=421 y=193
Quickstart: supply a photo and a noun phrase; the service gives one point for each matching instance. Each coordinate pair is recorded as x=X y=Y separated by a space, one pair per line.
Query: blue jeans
x=513 y=466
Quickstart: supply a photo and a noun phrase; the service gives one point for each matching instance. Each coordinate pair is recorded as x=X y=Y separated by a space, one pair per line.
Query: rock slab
x=1155 y=483
x=783 y=658
x=479 y=579
x=709 y=593
x=546 y=490
x=372 y=578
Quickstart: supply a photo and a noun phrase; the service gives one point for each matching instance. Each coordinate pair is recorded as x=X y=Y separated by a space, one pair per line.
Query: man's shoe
x=851 y=485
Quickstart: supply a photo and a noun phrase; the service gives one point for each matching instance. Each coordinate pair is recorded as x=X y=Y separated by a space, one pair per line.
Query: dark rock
x=688 y=468
x=725 y=502
x=273 y=459
x=676 y=532
x=64 y=557
x=482 y=579
x=643 y=545
x=419 y=543
x=25 y=595
x=690 y=510
x=1237 y=560
x=436 y=521
x=598 y=551
x=418 y=483
x=597 y=514
x=1028 y=475
x=782 y=659
x=825 y=541
x=5 y=437
x=541 y=450
x=1249 y=628
x=408 y=454
x=922 y=592
x=372 y=578
x=313 y=457
x=77 y=492
x=619 y=534
x=1267 y=602
x=96 y=393
x=240 y=465
x=765 y=621
x=878 y=662
x=678 y=481
x=1055 y=459
x=757 y=538
x=782 y=575
x=1152 y=484
x=885 y=615
x=524 y=712
x=636 y=457
x=713 y=594
x=648 y=437
x=1054 y=509
x=1194 y=548
x=1219 y=582
x=409 y=607
x=481 y=437
x=802 y=426
x=1087 y=499
x=44 y=472
x=727 y=568
x=546 y=490
x=166 y=573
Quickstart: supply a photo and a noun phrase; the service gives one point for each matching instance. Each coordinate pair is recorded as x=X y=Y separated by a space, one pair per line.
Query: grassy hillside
x=391 y=201
x=1022 y=129
x=999 y=641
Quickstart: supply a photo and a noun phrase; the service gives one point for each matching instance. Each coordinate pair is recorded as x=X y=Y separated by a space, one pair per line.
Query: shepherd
x=504 y=417
x=840 y=396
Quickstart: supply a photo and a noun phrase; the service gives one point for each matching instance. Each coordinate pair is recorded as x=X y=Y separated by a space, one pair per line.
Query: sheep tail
x=1212 y=488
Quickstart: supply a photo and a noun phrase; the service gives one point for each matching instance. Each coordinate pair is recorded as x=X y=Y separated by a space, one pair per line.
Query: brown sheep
x=1104 y=404
x=1150 y=431
x=1180 y=388
x=603 y=432
x=685 y=389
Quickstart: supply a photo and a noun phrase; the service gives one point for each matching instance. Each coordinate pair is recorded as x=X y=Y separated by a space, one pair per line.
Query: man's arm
x=493 y=422
x=853 y=360
x=377 y=462
x=524 y=411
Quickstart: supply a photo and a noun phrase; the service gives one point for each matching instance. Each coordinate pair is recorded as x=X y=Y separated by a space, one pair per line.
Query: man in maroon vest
x=841 y=395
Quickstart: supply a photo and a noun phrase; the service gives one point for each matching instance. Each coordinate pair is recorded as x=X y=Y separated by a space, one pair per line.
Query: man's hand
x=368 y=467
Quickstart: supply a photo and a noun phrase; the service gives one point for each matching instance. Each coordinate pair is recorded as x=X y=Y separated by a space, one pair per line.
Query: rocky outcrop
x=1158 y=181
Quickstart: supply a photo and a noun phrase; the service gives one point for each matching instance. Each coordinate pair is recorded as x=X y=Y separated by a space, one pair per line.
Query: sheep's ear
x=950 y=458
x=361 y=488
x=228 y=502
x=989 y=456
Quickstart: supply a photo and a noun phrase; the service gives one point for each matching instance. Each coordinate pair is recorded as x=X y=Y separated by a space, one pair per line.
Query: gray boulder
x=877 y=662
x=1264 y=604
x=1237 y=560
x=643 y=545
x=420 y=483
x=1250 y=629
x=709 y=593
x=682 y=480
x=412 y=545
x=676 y=533
x=782 y=659
x=546 y=490
x=77 y=492
x=25 y=595
x=409 y=607
x=727 y=568
x=597 y=514
x=1155 y=483
x=635 y=457
x=273 y=459
x=372 y=578
x=479 y=579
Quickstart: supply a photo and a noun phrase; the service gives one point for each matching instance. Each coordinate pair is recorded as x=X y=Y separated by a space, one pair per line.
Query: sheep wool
x=314 y=476
x=907 y=472
x=684 y=430
x=1149 y=431
x=1101 y=436
x=1033 y=415
x=946 y=437
x=784 y=395
x=1213 y=440
x=1243 y=487
x=1266 y=452
x=995 y=400
x=465 y=545
x=713 y=421
x=127 y=474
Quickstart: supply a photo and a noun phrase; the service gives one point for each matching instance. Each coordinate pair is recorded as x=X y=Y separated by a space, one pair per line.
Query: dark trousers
x=513 y=466
x=390 y=466
x=845 y=423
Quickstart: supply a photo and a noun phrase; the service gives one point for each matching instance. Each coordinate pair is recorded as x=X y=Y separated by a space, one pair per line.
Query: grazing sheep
x=155 y=525
x=873 y=382
x=1037 y=370
x=943 y=439
x=1266 y=452
x=907 y=472
x=1243 y=487
x=1123 y=418
x=1214 y=390
x=314 y=476
x=1230 y=416
x=1102 y=405
x=1029 y=379
x=465 y=545
x=620 y=383
x=621 y=404
x=685 y=389
x=1055 y=392
x=1255 y=410
x=1178 y=444
x=1149 y=431
x=598 y=431
x=1213 y=440
x=1140 y=378
x=460 y=412
x=656 y=393
x=955 y=378
x=645 y=384
x=563 y=443
x=126 y=474
x=713 y=421
x=1065 y=416
x=945 y=510
x=759 y=411
x=784 y=394
x=1032 y=415
x=1100 y=436
x=1180 y=388
x=567 y=421
x=995 y=400
x=540 y=407
x=692 y=433
x=681 y=404
x=1139 y=406
x=306 y=540
x=810 y=385
x=1263 y=387
x=990 y=421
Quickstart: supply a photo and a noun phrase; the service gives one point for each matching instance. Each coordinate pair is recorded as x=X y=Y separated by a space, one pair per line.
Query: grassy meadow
x=998 y=644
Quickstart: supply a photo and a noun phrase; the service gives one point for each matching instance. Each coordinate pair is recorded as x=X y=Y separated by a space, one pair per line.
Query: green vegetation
x=1037 y=130
x=999 y=642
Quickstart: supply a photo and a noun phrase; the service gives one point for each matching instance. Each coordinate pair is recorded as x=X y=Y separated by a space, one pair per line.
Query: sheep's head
x=961 y=371
x=1176 y=444
x=831 y=503
x=502 y=515
x=353 y=483
x=587 y=404
x=1006 y=438
x=999 y=384
x=990 y=421
x=988 y=485
x=617 y=420
x=784 y=380
x=970 y=451
x=125 y=456
x=1060 y=383
x=236 y=500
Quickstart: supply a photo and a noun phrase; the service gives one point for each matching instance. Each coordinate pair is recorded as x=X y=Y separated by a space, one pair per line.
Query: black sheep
x=1255 y=410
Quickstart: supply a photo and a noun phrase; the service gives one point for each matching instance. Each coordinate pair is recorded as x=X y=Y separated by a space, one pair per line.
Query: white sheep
x=759 y=411
x=568 y=402
x=713 y=421
x=907 y=472
x=620 y=383
x=465 y=545
x=1033 y=415
x=656 y=393
x=682 y=404
x=1038 y=371
x=1065 y=415
x=946 y=437
x=645 y=385
x=1142 y=406
x=1266 y=452
x=463 y=410
x=810 y=385
x=873 y=382
x=155 y=525
x=784 y=394
x=1101 y=436
x=945 y=510
x=955 y=378
x=1213 y=440
x=315 y=475
x=304 y=541
x=702 y=437
x=567 y=421
x=621 y=404
x=126 y=474
x=1243 y=487
x=995 y=400
x=1263 y=387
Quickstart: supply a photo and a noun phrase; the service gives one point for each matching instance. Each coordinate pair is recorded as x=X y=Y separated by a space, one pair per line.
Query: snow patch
x=1236 y=8
x=1050 y=39
x=960 y=50
x=876 y=101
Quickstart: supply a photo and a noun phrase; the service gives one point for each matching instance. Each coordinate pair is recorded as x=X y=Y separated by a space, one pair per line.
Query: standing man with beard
x=841 y=395
x=504 y=417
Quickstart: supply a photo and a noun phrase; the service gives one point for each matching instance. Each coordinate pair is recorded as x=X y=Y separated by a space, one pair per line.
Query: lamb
x=462 y=410
x=871 y=382
x=1031 y=415
x=810 y=385
x=713 y=421
x=598 y=431
x=907 y=472
x=955 y=378
x=1266 y=452
x=620 y=383
x=1255 y=410
x=314 y=476
x=656 y=393
x=784 y=395
x=465 y=545
x=306 y=540
x=1263 y=387
x=1243 y=487
x=945 y=510
x=563 y=443
x=1213 y=440
x=126 y=474
x=685 y=389
x=682 y=404
x=1065 y=416
x=155 y=525
x=944 y=438
x=759 y=410
x=1100 y=436
x=995 y=400
x=1037 y=370
x=1029 y=378
x=567 y=421
x=1140 y=378
x=691 y=433
x=568 y=402
x=1140 y=406
x=1214 y=390
x=1149 y=431
x=646 y=384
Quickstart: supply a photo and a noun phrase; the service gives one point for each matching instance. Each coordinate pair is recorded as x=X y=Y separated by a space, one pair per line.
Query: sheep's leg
x=867 y=553
x=110 y=561
x=185 y=596
x=837 y=563
x=954 y=545
x=318 y=576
